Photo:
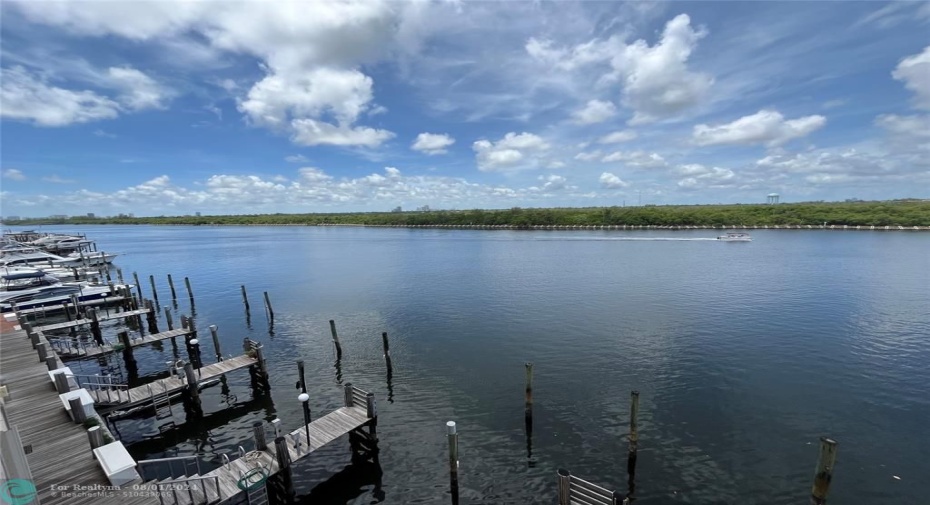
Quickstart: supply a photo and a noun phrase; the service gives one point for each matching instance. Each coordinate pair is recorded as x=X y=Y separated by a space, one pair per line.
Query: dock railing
x=574 y=490
x=100 y=383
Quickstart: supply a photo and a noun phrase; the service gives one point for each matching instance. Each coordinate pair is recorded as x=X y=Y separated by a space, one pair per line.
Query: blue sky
x=166 y=108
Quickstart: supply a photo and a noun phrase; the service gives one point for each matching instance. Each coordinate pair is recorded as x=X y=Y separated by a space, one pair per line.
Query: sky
x=248 y=107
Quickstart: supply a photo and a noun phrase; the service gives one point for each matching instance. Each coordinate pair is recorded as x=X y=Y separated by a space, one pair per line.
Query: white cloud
x=636 y=159
x=916 y=126
x=553 y=183
x=137 y=90
x=296 y=158
x=611 y=181
x=589 y=156
x=513 y=151
x=14 y=174
x=702 y=177
x=102 y=133
x=28 y=97
x=656 y=80
x=595 y=111
x=914 y=71
x=767 y=127
x=432 y=143
x=617 y=137
x=310 y=132
x=55 y=179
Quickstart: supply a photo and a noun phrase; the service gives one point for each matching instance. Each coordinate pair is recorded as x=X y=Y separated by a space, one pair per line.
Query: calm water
x=744 y=355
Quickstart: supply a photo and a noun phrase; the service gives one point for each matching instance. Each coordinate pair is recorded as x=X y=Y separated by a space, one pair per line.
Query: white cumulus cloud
x=513 y=151
x=617 y=137
x=432 y=143
x=595 y=111
x=611 y=181
x=914 y=71
x=14 y=174
x=138 y=91
x=767 y=127
x=28 y=97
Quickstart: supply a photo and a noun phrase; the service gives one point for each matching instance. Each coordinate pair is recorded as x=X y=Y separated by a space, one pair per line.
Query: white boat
x=735 y=236
x=37 y=289
x=24 y=256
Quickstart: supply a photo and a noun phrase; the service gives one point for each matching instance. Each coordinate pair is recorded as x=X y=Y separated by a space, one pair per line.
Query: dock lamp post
x=305 y=400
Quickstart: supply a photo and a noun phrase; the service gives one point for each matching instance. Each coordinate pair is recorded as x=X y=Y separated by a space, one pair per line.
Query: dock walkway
x=109 y=396
x=222 y=484
x=69 y=348
x=60 y=451
x=80 y=322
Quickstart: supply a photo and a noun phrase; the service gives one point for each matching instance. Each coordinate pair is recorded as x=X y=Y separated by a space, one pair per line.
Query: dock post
x=371 y=411
x=43 y=352
x=332 y=329
x=135 y=278
x=301 y=382
x=258 y=432
x=150 y=316
x=262 y=366
x=216 y=343
x=77 y=410
x=95 y=326
x=123 y=337
x=169 y=321
x=453 y=461
x=106 y=272
x=51 y=362
x=634 y=445
x=347 y=389
x=154 y=292
x=61 y=383
x=387 y=351
x=119 y=275
x=245 y=299
x=64 y=305
x=823 y=474
x=284 y=462
x=529 y=389
x=565 y=483
x=190 y=293
x=269 y=310
x=174 y=295
x=34 y=338
x=95 y=437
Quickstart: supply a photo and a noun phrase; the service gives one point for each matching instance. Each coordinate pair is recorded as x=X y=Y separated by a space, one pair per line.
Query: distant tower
x=772 y=198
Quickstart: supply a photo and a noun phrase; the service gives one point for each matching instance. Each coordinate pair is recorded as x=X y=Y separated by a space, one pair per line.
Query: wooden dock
x=110 y=300
x=110 y=396
x=80 y=322
x=222 y=484
x=60 y=451
x=69 y=348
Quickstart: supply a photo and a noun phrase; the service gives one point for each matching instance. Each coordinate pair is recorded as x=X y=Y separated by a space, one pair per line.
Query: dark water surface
x=744 y=355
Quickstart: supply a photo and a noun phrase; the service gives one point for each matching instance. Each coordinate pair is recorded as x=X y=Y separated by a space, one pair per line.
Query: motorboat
x=735 y=236
x=24 y=256
x=38 y=289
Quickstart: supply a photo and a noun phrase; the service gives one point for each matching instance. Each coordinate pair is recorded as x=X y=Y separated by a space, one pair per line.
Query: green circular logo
x=18 y=491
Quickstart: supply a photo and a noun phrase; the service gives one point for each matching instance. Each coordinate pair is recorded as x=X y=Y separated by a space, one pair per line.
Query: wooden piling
x=332 y=329
x=216 y=342
x=270 y=311
x=387 y=351
x=301 y=382
x=258 y=433
x=634 y=412
x=123 y=337
x=190 y=293
x=77 y=410
x=119 y=275
x=154 y=291
x=823 y=473
x=135 y=278
x=51 y=362
x=62 y=385
x=565 y=486
x=192 y=387
x=282 y=455
x=245 y=299
x=95 y=437
x=43 y=351
x=151 y=316
x=95 y=326
x=174 y=295
x=529 y=388
x=453 y=461
x=168 y=320
x=347 y=394
x=34 y=337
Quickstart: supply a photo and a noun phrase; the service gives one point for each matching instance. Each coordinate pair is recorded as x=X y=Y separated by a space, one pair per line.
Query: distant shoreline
x=898 y=215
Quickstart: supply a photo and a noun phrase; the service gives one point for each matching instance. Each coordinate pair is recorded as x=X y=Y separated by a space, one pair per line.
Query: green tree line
x=881 y=213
